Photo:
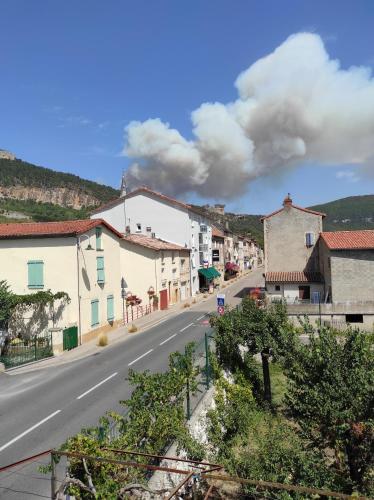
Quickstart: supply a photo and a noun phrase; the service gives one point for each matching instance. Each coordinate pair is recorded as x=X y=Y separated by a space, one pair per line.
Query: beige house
x=152 y=267
x=291 y=253
x=218 y=251
x=81 y=258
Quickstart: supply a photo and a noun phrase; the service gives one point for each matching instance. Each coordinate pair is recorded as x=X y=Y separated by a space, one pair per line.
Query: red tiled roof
x=153 y=243
x=293 y=277
x=293 y=206
x=217 y=233
x=51 y=229
x=349 y=240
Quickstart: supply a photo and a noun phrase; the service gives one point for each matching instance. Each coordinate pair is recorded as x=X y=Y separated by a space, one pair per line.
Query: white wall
x=168 y=221
x=290 y=291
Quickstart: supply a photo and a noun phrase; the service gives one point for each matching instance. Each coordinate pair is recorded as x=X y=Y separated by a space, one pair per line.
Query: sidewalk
x=121 y=333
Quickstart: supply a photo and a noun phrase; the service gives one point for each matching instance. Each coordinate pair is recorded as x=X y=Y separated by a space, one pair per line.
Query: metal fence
x=22 y=351
x=131 y=313
x=203 y=380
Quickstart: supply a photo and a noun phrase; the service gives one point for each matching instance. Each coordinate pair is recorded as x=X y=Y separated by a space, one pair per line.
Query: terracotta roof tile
x=51 y=229
x=349 y=240
x=217 y=233
x=153 y=243
x=293 y=277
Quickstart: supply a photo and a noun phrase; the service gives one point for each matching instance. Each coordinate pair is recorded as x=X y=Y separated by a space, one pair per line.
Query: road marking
x=201 y=317
x=140 y=357
x=185 y=328
x=30 y=429
x=97 y=385
x=167 y=340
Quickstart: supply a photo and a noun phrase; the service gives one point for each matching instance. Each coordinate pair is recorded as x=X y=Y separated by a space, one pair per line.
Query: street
x=40 y=409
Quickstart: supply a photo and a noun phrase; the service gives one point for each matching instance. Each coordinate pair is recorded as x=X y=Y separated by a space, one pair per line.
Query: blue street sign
x=220 y=300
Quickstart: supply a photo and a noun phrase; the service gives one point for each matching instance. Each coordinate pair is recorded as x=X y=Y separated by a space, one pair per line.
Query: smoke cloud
x=294 y=106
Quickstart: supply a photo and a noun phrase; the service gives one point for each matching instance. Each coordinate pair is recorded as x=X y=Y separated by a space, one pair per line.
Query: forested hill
x=30 y=192
x=354 y=212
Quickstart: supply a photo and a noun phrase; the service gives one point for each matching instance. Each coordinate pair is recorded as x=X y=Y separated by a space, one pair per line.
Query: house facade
x=292 y=270
x=80 y=258
x=155 y=268
x=218 y=251
x=147 y=212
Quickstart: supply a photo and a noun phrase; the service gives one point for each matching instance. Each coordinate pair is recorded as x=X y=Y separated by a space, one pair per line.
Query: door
x=304 y=292
x=163 y=299
x=70 y=338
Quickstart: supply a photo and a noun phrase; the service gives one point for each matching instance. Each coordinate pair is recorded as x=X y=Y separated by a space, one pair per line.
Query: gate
x=163 y=299
x=22 y=351
x=70 y=338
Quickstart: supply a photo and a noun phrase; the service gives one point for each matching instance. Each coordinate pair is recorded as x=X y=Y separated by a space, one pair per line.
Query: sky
x=74 y=74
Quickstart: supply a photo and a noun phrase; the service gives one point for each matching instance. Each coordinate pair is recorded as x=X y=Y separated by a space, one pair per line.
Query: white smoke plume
x=295 y=106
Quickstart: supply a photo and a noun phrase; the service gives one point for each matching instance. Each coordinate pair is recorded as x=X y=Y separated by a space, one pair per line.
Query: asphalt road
x=40 y=409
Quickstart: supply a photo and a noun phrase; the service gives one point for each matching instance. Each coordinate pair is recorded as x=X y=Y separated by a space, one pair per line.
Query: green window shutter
x=99 y=233
x=100 y=269
x=110 y=307
x=35 y=274
x=94 y=312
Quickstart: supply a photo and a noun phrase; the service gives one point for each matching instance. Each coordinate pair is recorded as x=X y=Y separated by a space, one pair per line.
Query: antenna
x=123 y=184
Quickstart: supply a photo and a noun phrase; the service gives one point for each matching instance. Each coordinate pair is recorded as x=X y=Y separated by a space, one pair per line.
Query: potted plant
x=155 y=302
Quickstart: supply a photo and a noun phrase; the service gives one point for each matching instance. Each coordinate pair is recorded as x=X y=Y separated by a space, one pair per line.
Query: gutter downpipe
x=79 y=295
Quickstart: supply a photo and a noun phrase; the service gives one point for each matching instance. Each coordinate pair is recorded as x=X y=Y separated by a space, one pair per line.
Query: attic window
x=138 y=227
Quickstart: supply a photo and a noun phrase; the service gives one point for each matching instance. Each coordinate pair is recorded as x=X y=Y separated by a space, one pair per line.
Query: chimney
x=148 y=231
x=287 y=202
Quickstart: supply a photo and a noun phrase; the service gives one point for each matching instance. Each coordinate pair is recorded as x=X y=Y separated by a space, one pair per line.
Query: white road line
x=140 y=357
x=30 y=429
x=97 y=385
x=167 y=340
x=185 y=328
x=201 y=317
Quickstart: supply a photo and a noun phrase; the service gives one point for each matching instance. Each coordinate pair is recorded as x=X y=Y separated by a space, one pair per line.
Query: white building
x=147 y=212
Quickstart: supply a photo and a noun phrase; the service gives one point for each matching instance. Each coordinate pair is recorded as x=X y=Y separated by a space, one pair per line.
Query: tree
x=331 y=396
x=264 y=331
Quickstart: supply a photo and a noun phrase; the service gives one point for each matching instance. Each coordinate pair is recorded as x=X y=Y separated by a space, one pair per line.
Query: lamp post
x=89 y=247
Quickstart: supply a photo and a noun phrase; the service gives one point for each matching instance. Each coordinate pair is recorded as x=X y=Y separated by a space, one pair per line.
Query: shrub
x=194 y=301
x=103 y=340
x=185 y=305
x=205 y=295
x=132 y=329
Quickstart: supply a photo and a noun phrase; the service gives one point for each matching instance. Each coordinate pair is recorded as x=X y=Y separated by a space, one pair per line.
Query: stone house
x=144 y=211
x=154 y=267
x=291 y=253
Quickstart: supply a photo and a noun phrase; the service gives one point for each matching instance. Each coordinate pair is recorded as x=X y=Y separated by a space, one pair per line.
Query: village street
x=40 y=409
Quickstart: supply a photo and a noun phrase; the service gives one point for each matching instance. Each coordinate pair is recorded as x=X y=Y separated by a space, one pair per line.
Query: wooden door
x=163 y=299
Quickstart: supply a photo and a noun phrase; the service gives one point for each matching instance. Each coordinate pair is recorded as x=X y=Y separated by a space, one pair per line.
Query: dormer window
x=138 y=227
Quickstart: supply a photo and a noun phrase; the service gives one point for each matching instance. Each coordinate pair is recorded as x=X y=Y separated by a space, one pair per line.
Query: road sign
x=221 y=310
x=220 y=299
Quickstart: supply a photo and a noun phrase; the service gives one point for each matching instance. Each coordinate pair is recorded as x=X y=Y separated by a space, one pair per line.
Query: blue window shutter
x=110 y=307
x=99 y=232
x=94 y=312
x=35 y=274
x=100 y=269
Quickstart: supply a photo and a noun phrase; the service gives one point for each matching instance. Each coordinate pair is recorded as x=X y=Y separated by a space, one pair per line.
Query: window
x=99 y=243
x=173 y=257
x=162 y=258
x=215 y=255
x=94 y=312
x=354 y=318
x=110 y=308
x=277 y=288
x=138 y=227
x=100 y=269
x=203 y=228
x=309 y=239
x=35 y=274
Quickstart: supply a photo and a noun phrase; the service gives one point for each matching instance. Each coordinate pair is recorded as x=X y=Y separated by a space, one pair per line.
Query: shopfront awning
x=209 y=273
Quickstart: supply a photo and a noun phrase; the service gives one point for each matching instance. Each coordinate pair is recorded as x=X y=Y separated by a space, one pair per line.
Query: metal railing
x=21 y=351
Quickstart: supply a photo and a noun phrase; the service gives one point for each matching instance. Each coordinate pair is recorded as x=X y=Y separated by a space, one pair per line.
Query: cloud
x=295 y=106
x=347 y=175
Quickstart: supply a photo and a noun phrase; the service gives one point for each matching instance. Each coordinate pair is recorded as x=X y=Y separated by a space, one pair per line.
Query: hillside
x=354 y=212
x=30 y=192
